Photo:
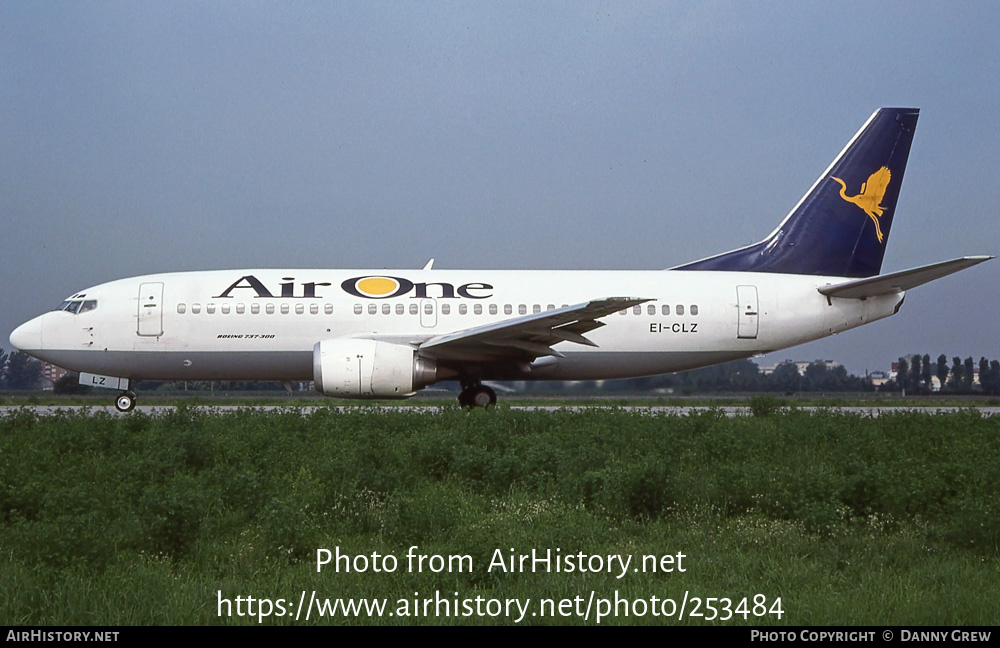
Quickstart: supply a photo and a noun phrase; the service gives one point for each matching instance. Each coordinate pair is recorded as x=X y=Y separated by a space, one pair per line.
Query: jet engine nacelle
x=369 y=369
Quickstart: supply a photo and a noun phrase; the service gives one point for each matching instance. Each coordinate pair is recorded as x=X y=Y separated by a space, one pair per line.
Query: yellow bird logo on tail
x=870 y=198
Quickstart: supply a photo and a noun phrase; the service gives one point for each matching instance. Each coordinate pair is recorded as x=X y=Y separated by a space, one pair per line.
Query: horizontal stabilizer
x=900 y=281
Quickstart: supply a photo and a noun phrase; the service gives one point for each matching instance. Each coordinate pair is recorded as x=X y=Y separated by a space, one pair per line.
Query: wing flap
x=572 y=336
x=529 y=336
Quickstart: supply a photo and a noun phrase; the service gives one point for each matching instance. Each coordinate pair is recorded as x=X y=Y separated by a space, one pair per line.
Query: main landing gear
x=476 y=395
x=125 y=401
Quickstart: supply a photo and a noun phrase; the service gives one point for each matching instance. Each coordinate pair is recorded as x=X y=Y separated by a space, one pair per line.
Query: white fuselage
x=263 y=324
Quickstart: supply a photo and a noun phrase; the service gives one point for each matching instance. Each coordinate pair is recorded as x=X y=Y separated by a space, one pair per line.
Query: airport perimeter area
x=402 y=516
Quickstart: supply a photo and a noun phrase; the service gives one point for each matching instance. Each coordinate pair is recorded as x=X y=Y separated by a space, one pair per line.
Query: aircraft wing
x=899 y=281
x=529 y=336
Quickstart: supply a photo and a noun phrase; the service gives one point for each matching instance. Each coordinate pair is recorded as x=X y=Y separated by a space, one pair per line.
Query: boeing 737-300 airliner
x=387 y=334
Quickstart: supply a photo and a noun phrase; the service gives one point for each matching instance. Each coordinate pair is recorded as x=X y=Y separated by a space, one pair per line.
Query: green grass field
x=850 y=520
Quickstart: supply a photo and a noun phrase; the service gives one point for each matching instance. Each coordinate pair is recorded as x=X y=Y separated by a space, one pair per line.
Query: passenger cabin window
x=462 y=309
x=284 y=309
x=493 y=309
x=400 y=309
x=665 y=309
x=694 y=309
x=195 y=308
x=269 y=309
x=477 y=309
x=651 y=309
x=240 y=308
x=680 y=309
x=210 y=308
x=637 y=310
x=507 y=309
x=255 y=309
x=328 y=309
x=225 y=309
x=358 y=309
x=386 y=309
x=181 y=308
x=446 y=309
x=413 y=309
x=314 y=309
x=372 y=309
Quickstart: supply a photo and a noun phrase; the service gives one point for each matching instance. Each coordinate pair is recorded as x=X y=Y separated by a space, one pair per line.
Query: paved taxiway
x=49 y=410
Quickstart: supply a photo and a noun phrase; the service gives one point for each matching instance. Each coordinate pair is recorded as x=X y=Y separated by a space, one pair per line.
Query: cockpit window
x=78 y=306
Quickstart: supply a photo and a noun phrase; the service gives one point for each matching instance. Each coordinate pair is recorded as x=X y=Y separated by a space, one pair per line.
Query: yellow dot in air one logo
x=377 y=286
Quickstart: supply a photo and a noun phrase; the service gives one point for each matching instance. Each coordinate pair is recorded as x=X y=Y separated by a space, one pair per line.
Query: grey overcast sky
x=140 y=137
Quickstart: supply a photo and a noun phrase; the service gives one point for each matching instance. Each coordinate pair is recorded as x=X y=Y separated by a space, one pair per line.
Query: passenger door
x=150 y=309
x=746 y=298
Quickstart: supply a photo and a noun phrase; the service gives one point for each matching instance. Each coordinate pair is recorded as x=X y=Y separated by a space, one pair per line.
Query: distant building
x=800 y=365
x=52 y=373
x=879 y=378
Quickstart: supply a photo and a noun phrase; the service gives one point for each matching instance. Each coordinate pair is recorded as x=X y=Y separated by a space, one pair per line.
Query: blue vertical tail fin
x=841 y=226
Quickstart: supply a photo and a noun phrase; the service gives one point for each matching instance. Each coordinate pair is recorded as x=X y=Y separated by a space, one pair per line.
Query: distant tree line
x=915 y=374
x=736 y=376
x=19 y=371
x=746 y=376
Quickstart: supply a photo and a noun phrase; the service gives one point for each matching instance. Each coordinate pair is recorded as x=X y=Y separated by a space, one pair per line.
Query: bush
x=761 y=406
x=70 y=385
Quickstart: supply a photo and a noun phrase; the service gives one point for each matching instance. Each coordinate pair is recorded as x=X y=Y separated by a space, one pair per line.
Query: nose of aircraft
x=28 y=336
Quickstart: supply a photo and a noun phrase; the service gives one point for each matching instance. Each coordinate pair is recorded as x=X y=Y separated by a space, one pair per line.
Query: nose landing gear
x=125 y=401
